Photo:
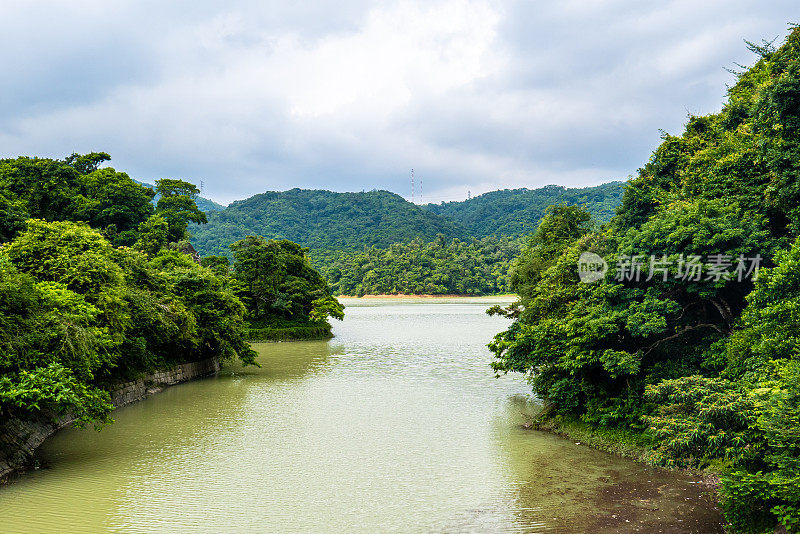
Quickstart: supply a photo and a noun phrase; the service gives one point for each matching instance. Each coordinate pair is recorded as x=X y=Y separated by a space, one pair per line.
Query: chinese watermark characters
x=685 y=268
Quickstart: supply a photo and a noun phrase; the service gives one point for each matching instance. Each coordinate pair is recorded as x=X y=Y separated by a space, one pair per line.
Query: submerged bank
x=20 y=438
x=625 y=444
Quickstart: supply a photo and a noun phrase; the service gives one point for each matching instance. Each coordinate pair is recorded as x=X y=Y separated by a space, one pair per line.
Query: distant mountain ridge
x=327 y=221
x=322 y=220
x=516 y=212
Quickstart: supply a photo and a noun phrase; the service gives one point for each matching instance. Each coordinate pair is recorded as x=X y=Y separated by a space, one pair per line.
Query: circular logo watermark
x=591 y=267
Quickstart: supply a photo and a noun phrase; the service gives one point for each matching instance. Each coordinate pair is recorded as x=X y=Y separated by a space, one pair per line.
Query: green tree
x=212 y=299
x=763 y=356
x=219 y=264
x=79 y=313
x=153 y=235
x=111 y=198
x=279 y=284
x=561 y=226
x=442 y=266
x=77 y=257
x=12 y=218
x=177 y=206
x=86 y=163
x=74 y=189
x=53 y=344
x=45 y=188
x=705 y=367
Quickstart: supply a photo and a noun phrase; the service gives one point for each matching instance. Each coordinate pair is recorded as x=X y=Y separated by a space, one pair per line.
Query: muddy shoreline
x=637 y=506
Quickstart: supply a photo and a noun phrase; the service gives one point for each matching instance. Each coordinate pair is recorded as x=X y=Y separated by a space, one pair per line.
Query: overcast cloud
x=350 y=95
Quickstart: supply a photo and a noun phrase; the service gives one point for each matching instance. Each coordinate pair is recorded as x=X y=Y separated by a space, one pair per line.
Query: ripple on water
x=395 y=425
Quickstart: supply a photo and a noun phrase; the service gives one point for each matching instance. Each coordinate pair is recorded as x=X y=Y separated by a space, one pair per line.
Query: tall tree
x=279 y=283
x=86 y=163
x=178 y=207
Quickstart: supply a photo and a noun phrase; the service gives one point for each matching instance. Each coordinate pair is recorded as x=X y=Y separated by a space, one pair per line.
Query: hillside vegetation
x=377 y=242
x=440 y=267
x=95 y=287
x=322 y=220
x=683 y=341
x=517 y=212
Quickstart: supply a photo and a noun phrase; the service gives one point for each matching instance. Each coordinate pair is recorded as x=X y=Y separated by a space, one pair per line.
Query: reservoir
x=397 y=424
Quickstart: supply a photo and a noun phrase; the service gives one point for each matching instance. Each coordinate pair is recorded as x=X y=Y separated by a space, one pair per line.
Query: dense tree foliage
x=676 y=341
x=440 y=267
x=79 y=314
x=74 y=189
x=322 y=220
x=516 y=212
x=79 y=311
x=176 y=205
x=376 y=242
x=279 y=286
x=561 y=225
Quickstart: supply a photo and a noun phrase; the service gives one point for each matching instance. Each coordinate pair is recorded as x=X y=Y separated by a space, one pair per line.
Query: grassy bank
x=289 y=333
x=625 y=443
x=629 y=444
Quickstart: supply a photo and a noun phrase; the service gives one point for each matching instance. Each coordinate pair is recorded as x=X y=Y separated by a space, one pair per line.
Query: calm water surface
x=395 y=425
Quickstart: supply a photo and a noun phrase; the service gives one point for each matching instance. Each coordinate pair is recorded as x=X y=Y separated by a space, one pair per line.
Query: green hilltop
x=328 y=221
x=322 y=220
x=517 y=212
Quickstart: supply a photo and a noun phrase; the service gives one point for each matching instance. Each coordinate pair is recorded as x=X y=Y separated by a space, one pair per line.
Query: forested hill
x=322 y=220
x=326 y=221
x=517 y=212
x=207 y=205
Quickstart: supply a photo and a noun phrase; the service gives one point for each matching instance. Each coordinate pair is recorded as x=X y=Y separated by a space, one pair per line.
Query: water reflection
x=288 y=360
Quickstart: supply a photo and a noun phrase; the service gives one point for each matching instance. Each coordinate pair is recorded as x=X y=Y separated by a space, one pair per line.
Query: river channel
x=397 y=424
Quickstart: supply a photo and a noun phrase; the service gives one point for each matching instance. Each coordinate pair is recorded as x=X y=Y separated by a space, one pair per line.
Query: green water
x=395 y=425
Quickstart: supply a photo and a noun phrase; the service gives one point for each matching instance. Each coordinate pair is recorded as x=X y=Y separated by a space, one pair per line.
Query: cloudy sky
x=350 y=95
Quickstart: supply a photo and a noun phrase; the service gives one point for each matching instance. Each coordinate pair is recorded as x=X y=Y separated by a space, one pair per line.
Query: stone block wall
x=19 y=438
x=129 y=392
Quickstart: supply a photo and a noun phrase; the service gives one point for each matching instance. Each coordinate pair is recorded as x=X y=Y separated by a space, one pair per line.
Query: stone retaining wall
x=20 y=438
x=129 y=392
